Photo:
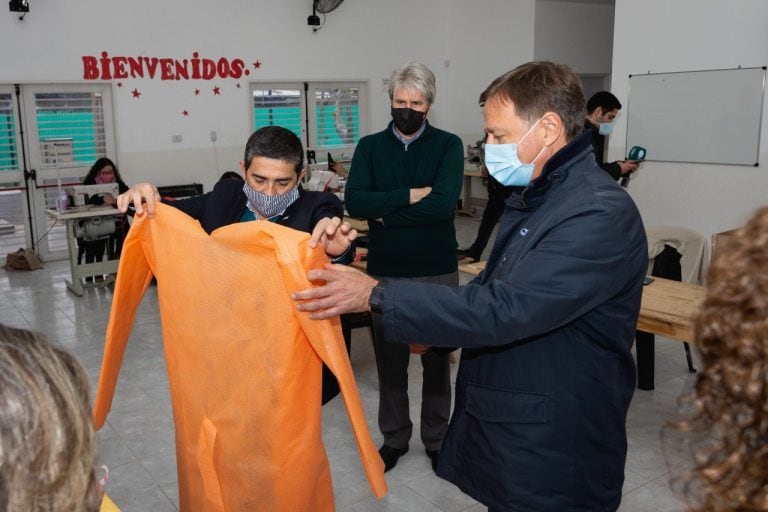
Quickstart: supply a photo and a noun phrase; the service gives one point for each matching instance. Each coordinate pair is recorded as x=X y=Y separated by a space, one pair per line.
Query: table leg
x=645 y=350
x=74 y=284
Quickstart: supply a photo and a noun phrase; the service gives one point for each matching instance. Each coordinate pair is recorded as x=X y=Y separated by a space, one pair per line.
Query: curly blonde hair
x=47 y=443
x=730 y=400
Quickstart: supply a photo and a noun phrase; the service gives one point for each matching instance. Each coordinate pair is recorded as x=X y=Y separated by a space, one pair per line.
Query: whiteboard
x=697 y=116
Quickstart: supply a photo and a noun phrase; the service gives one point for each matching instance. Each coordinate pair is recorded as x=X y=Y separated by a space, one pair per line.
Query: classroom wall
x=574 y=33
x=361 y=40
x=686 y=35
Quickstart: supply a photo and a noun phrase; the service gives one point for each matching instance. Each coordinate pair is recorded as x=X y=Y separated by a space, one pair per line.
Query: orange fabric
x=244 y=366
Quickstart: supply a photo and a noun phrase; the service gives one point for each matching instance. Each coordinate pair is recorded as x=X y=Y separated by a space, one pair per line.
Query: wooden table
x=667 y=308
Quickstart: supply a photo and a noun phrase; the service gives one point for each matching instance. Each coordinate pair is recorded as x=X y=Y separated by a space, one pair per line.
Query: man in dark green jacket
x=406 y=181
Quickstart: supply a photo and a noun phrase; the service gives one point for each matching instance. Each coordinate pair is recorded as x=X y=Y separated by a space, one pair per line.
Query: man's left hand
x=345 y=290
x=336 y=236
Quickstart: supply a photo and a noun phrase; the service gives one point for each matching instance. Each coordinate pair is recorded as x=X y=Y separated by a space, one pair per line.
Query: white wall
x=485 y=39
x=577 y=34
x=684 y=35
x=466 y=46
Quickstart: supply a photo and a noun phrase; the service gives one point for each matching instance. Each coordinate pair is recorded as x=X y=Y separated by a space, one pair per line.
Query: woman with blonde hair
x=47 y=443
x=729 y=404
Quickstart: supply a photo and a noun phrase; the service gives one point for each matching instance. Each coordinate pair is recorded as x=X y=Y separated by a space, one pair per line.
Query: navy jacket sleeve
x=577 y=266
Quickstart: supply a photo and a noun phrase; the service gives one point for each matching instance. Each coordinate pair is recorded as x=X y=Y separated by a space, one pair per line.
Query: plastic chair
x=676 y=253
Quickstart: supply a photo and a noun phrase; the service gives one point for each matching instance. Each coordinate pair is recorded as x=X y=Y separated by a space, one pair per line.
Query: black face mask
x=407 y=120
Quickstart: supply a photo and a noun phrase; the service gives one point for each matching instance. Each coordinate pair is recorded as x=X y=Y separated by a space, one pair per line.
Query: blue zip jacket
x=546 y=373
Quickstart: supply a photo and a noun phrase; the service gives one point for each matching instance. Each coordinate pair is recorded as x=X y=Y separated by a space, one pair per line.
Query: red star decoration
x=119 y=84
x=185 y=113
x=257 y=64
x=237 y=85
x=135 y=93
x=216 y=91
x=197 y=92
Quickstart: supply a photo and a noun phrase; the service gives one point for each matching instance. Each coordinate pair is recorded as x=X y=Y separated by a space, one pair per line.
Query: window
x=337 y=111
x=9 y=158
x=70 y=128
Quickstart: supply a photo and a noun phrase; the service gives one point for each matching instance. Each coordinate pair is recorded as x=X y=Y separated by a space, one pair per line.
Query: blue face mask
x=503 y=163
x=605 y=128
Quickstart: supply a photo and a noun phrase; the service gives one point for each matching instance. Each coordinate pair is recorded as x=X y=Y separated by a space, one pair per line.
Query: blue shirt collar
x=412 y=138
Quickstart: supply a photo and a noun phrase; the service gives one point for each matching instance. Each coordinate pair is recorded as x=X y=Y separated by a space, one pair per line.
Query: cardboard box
x=722 y=241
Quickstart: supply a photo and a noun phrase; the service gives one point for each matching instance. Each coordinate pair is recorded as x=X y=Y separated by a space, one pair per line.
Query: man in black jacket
x=546 y=330
x=602 y=109
x=272 y=167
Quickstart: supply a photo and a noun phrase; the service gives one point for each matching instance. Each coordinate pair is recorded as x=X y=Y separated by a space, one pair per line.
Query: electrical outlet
x=176 y=138
x=214 y=136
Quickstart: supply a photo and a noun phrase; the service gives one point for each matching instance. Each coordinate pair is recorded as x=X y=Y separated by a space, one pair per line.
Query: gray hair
x=413 y=75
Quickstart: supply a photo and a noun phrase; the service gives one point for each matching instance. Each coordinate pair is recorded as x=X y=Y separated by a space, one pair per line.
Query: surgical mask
x=268 y=206
x=605 y=128
x=407 y=120
x=503 y=163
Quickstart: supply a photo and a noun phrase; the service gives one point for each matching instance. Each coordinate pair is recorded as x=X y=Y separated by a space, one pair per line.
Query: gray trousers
x=392 y=362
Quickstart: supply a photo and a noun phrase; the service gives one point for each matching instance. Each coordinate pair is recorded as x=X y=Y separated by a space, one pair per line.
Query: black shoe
x=390 y=455
x=466 y=253
x=434 y=456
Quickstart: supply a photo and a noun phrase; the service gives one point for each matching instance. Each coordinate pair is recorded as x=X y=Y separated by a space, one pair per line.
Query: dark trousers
x=392 y=363
x=494 y=208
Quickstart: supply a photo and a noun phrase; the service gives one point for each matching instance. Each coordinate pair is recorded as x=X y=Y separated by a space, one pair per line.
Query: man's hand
x=139 y=194
x=627 y=167
x=417 y=194
x=345 y=290
x=335 y=236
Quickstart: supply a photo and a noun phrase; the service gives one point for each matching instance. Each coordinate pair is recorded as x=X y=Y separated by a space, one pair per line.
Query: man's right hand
x=627 y=167
x=139 y=194
x=417 y=194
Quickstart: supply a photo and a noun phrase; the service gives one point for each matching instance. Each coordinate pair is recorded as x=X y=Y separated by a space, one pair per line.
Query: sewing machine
x=81 y=194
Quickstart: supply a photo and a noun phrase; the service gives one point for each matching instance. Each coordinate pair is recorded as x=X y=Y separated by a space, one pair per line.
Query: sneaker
x=390 y=455
x=434 y=456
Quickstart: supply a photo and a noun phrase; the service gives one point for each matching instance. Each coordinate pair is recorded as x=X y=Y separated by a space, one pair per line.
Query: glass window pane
x=70 y=128
x=277 y=107
x=8 y=156
x=338 y=116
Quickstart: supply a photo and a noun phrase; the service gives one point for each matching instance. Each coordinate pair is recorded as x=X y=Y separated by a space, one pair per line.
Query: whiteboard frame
x=759 y=125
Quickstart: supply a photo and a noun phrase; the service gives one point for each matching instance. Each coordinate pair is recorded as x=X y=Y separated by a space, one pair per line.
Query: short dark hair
x=231 y=175
x=605 y=100
x=275 y=142
x=536 y=88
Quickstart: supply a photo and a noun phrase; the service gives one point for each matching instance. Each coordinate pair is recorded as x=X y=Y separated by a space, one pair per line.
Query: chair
x=676 y=253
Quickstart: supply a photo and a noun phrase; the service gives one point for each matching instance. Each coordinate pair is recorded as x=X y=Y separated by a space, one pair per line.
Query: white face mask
x=503 y=162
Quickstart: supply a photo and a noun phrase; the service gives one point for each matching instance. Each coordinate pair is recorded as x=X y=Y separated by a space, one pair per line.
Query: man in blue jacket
x=546 y=371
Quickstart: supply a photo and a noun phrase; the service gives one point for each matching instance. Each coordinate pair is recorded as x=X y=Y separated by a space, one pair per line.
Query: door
x=67 y=128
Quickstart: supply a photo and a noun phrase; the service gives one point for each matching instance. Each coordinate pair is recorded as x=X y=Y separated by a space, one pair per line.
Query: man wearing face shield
x=602 y=109
x=406 y=180
x=546 y=330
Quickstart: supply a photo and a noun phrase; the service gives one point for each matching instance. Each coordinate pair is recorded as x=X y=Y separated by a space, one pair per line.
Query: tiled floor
x=137 y=442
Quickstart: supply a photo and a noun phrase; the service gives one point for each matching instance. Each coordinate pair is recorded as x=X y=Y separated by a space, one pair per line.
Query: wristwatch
x=376 y=300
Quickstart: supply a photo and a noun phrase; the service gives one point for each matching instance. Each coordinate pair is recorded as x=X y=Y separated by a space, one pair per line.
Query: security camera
x=19 y=5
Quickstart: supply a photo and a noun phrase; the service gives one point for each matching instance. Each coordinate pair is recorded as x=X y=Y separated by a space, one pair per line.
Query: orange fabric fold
x=244 y=366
